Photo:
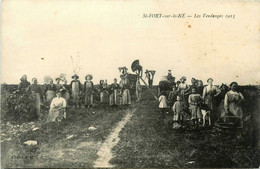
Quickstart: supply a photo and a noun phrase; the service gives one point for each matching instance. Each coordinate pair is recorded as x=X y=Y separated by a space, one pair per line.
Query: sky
x=38 y=39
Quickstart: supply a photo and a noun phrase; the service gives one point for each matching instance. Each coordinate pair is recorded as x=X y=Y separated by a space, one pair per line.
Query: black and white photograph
x=130 y=84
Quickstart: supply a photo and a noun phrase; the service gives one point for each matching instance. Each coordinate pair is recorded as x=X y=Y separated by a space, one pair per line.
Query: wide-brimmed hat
x=183 y=77
x=91 y=77
x=209 y=79
x=75 y=76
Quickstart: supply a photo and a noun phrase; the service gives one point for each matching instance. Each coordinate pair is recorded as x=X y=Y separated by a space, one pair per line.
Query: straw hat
x=183 y=77
x=91 y=77
x=75 y=76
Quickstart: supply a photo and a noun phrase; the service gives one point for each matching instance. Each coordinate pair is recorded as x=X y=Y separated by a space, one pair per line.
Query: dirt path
x=104 y=152
x=72 y=143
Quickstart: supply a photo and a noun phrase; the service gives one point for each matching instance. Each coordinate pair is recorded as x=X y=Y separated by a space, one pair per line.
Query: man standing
x=150 y=76
x=75 y=87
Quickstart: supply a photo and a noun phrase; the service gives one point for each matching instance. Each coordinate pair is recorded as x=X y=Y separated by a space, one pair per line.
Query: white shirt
x=58 y=102
x=209 y=88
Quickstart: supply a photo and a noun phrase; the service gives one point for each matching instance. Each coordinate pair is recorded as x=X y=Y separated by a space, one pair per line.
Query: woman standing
x=105 y=85
x=200 y=88
x=126 y=97
x=63 y=87
x=101 y=91
x=23 y=85
x=178 y=83
x=114 y=94
x=105 y=91
x=50 y=91
x=193 y=83
x=57 y=108
x=75 y=87
x=183 y=89
x=88 y=90
x=66 y=93
x=209 y=93
x=58 y=85
x=233 y=100
x=36 y=94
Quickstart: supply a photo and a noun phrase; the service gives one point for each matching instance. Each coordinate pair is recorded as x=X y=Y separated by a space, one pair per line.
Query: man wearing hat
x=88 y=90
x=183 y=89
x=170 y=78
x=75 y=87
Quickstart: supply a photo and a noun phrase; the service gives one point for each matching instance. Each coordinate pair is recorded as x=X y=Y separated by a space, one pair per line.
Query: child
x=163 y=104
x=194 y=102
x=173 y=96
x=178 y=109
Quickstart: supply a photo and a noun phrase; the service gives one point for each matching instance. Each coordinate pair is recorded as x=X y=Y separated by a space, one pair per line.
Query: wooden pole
x=155 y=97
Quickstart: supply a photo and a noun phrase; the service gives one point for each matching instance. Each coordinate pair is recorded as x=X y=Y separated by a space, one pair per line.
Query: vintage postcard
x=130 y=84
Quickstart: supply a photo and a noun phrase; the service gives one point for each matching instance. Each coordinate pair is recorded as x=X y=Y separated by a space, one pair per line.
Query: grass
x=146 y=142
x=54 y=150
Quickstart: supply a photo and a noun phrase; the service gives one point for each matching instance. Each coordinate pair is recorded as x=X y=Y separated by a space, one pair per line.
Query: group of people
x=194 y=102
x=197 y=102
x=58 y=95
